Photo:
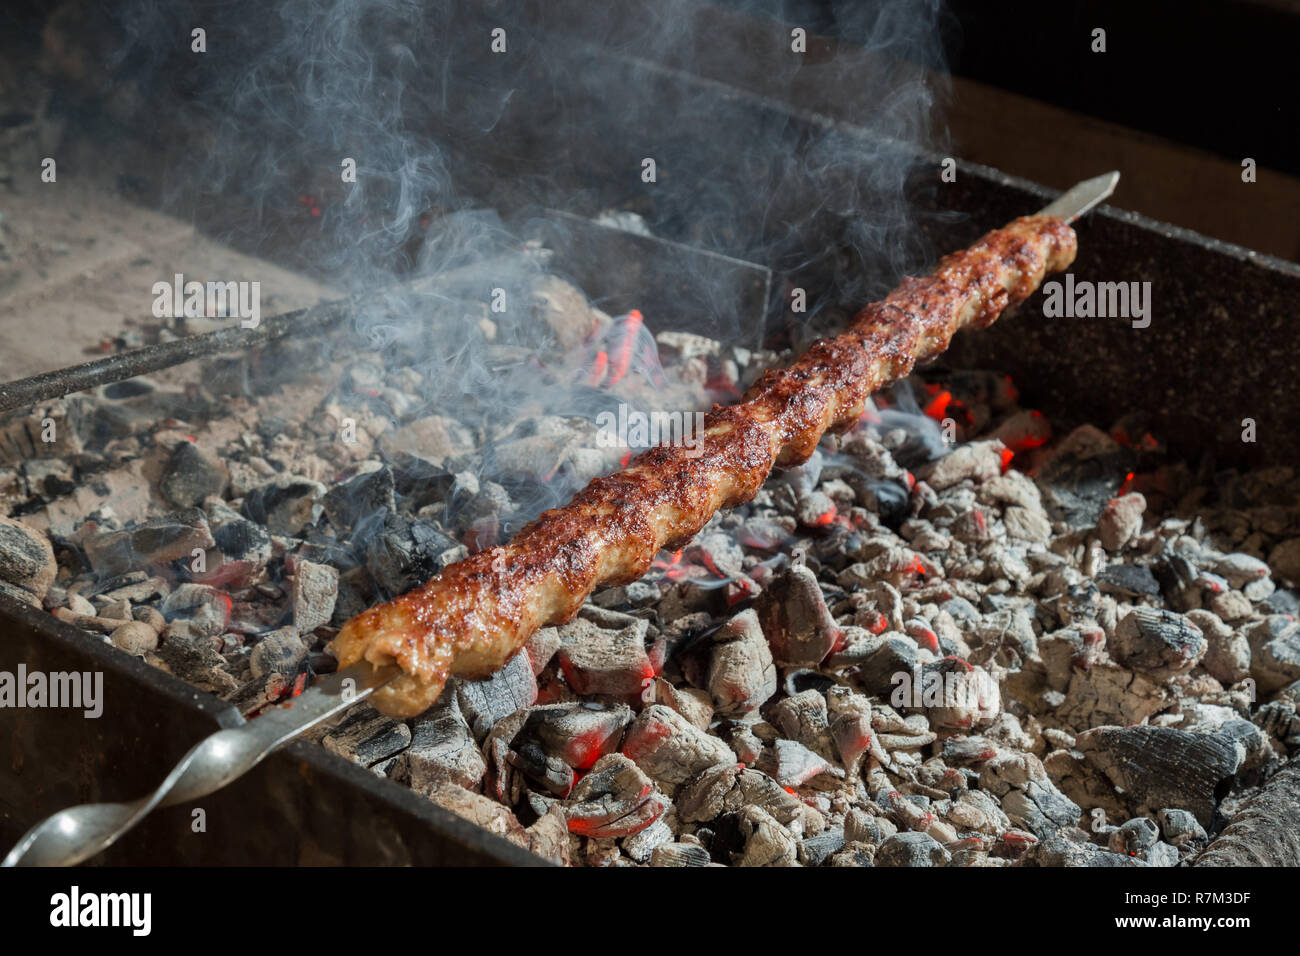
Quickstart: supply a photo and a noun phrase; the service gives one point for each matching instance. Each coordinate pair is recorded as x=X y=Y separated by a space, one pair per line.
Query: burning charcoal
x=979 y=460
x=597 y=661
x=155 y=541
x=1121 y=521
x=577 y=733
x=512 y=688
x=669 y=749
x=614 y=799
x=695 y=705
x=365 y=736
x=741 y=674
x=680 y=854
x=418 y=481
x=1158 y=767
x=1128 y=581
x=287 y=505
x=315 y=588
x=1274 y=652
x=1161 y=643
x=442 y=750
x=791 y=764
x=136 y=638
x=192 y=657
x=359 y=498
x=795 y=620
x=190 y=476
x=803 y=718
x=26 y=560
x=279 y=652
x=205 y=609
x=763 y=841
x=911 y=849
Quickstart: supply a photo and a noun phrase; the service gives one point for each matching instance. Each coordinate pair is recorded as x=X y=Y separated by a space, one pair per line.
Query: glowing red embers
x=623 y=355
x=1007 y=456
x=599 y=367
x=938 y=406
x=825 y=518
x=312 y=204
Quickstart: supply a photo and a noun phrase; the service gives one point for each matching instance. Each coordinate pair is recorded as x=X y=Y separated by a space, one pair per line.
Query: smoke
x=465 y=122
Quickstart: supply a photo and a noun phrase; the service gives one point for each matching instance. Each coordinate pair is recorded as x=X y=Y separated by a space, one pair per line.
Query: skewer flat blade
x=1081 y=197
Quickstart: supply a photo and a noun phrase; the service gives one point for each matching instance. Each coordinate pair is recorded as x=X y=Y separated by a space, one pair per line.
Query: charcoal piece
x=911 y=849
x=442 y=750
x=550 y=773
x=762 y=840
x=804 y=718
x=1265 y=831
x=1058 y=852
x=190 y=476
x=680 y=854
x=359 y=498
x=204 y=608
x=315 y=589
x=155 y=541
x=669 y=749
x=615 y=799
x=1283 y=601
x=285 y=506
x=791 y=764
x=365 y=736
x=1274 y=652
x=1121 y=521
x=1128 y=580
x=977 y=460
x=512 y=688
x=255 y=694
x=817 y=849
x=741 y=674
x=420 y=482
x=279 y=652
x=401 y=552
x=877 y=674
x=135 y=637
x=794 y=618
x=1134 y=837
x=192 y=657
x=243 y=540
x=1083 y=475
x=26 y=559
x=600 y=661
x=1040 y=808
x=1181 y=828
x=579 y=733
x=1162 y=643
x=1153 y=768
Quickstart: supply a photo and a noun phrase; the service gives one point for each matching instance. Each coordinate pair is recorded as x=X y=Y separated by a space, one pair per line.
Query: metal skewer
x=78 y=833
